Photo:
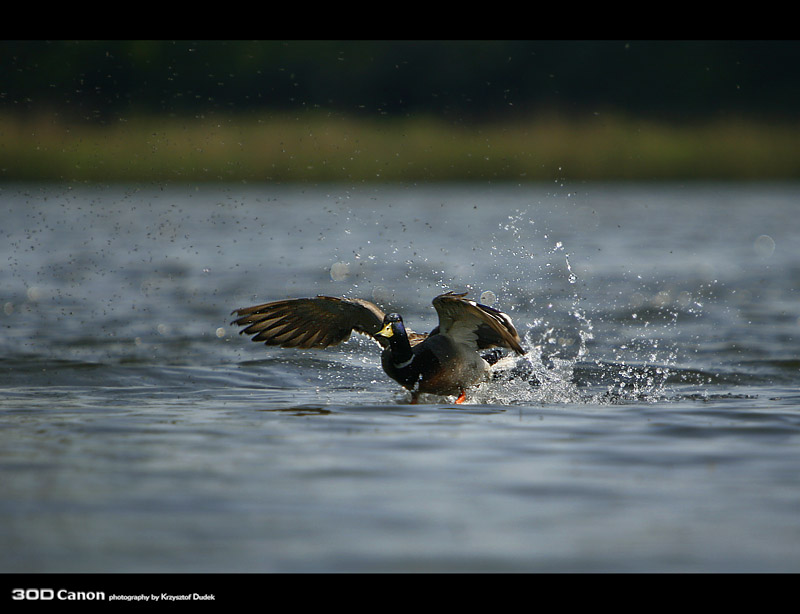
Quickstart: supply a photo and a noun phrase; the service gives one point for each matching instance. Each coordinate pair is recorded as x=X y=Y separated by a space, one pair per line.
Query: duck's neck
x=402 y=356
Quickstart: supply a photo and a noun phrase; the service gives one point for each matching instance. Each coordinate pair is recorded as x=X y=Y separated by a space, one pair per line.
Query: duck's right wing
x=316 y=322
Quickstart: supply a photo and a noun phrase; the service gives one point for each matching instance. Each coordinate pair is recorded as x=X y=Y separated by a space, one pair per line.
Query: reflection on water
x=657 y=429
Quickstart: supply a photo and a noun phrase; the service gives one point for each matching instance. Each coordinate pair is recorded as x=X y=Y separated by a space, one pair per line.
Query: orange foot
x=462 y=397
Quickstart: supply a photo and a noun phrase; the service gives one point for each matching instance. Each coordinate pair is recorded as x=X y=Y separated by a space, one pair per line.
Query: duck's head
x=392 y=327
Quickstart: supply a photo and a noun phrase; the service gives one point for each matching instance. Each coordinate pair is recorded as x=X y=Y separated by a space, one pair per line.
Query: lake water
x=140 y=433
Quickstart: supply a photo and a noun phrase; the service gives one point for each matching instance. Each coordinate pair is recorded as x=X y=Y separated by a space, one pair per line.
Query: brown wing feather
x=415 y=338
x=310 y=322
x=475 y=324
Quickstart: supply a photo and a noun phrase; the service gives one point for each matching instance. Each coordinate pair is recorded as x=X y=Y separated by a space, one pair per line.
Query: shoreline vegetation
x=320 y=147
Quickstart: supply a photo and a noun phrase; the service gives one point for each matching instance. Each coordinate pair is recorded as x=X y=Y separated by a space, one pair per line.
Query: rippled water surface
x=140 y=433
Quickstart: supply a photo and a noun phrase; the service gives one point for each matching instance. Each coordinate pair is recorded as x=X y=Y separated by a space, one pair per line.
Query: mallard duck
x=445 y=361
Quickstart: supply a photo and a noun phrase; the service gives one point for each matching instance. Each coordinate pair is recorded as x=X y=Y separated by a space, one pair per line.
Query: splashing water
x=558 y=367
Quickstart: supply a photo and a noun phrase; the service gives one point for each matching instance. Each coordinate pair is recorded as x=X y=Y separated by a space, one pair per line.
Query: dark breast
x=405 y=376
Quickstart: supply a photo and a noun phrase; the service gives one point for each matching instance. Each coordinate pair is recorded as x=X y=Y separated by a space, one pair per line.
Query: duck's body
x=444 y=362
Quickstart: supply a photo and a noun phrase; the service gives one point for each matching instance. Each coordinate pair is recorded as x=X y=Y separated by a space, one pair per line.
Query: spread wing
x=310 y=322
x=474 y=324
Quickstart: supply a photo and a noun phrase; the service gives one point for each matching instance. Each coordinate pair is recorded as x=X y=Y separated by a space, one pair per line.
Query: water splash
x=559 y=367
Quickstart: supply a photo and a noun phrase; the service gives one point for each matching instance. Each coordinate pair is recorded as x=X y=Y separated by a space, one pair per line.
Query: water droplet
x=339 y=271
x=764 y=246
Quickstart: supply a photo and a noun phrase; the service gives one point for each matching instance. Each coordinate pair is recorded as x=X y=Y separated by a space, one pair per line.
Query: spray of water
x=559 y=367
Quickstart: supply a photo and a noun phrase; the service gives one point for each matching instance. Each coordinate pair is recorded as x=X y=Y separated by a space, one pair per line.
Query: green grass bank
x=315 y=147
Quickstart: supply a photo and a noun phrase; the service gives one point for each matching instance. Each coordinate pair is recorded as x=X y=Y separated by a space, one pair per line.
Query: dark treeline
x=459 y=80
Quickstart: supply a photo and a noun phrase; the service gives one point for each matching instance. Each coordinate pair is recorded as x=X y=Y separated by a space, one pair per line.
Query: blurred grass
x=316 y=147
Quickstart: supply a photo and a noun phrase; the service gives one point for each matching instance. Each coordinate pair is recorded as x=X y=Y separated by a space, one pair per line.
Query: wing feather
x=474 y=324
x=305 y=323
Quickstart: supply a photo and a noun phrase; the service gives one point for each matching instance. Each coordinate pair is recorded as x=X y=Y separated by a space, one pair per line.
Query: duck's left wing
x=474 y=324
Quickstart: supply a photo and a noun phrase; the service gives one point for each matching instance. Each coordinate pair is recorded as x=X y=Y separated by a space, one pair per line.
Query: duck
x=456 y=355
